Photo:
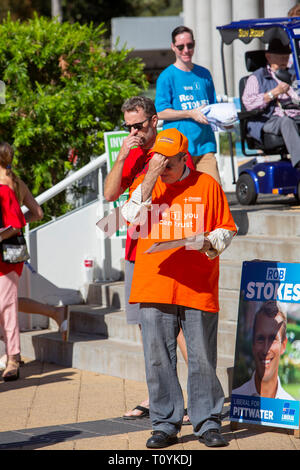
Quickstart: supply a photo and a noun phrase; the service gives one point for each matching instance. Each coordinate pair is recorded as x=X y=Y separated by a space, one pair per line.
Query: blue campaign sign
x=266 y=379
x=266 y=411
x=272 y=281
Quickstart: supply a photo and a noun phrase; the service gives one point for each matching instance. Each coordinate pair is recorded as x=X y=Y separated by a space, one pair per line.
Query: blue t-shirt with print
x=181 y=90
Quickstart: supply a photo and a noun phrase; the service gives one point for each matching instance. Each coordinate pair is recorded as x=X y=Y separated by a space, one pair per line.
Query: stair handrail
x=94 y=164
x=70 y=179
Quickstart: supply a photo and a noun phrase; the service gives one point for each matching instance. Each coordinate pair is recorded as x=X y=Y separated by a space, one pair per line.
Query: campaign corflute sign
x=266 y=378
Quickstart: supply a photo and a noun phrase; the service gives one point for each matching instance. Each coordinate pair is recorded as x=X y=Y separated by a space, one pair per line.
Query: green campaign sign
x=113 y=142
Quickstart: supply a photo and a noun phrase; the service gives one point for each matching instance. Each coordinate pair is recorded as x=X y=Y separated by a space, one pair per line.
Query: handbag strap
x=1 y=220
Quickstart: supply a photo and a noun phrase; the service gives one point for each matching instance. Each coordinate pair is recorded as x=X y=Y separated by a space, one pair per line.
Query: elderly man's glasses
x=137 y=125
x=189 y=45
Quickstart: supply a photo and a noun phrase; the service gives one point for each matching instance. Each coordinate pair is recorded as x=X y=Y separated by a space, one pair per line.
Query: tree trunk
x=56 y=10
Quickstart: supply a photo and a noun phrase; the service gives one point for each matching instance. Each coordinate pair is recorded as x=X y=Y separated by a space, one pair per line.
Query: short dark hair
x=180 y=30
x=143 y=102
x=271 y=310
x=294 y=11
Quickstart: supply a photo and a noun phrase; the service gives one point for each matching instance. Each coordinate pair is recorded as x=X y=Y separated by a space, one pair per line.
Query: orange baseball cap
x=170 y=142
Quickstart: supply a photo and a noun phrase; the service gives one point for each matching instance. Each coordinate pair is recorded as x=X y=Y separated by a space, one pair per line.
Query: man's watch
x=270 y=95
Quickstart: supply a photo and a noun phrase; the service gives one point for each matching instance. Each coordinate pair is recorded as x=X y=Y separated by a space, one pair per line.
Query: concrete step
x=246 y=248
x=105 y=356
x=230 y=274
x=112 y=295
x=89 y=352
x=227 y=339
x=107 y=322
x=95 y=320
x=229 y=303
x=107 y=294
x=274 y=223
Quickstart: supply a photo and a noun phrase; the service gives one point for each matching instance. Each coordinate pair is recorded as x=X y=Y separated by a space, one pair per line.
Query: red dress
x=11 y=215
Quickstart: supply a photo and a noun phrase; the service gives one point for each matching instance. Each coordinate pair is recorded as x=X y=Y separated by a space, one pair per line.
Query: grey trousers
x=160 y=327
x=287 y=127
x=132 y=310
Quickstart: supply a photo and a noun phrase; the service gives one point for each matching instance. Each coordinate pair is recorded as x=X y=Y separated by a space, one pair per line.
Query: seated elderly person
x=265 y=91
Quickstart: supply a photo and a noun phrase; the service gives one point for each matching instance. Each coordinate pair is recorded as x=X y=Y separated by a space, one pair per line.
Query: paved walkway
x=55 y=408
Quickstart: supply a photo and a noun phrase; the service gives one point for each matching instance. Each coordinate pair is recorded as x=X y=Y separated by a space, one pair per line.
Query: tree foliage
x=156 y=7
x=64 y=89
x=97 y=11
x=24 y=9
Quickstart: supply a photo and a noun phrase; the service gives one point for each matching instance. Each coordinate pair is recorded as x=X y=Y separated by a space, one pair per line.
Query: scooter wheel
x=245 y=190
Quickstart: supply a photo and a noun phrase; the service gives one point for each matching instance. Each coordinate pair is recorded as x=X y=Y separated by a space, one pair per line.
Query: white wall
x=277 y=8
x=250 y=9
x=204 y=15
x=221 y=14
x=58 y=251
x=149 y=33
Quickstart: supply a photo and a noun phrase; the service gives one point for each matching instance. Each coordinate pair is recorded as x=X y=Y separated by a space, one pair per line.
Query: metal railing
x=96 y=164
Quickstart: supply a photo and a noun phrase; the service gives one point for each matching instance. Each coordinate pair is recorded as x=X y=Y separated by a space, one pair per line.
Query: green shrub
x=64 y=89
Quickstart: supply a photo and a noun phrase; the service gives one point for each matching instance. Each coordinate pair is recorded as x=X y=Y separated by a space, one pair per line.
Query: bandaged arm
x=132 y=209
x=219 y=239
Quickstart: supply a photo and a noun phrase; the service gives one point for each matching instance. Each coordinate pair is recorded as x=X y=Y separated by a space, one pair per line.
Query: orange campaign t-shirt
x=180 y=276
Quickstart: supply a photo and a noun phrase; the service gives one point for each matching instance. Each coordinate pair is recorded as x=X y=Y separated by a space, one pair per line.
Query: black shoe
x=161 y=439
x=213 y=438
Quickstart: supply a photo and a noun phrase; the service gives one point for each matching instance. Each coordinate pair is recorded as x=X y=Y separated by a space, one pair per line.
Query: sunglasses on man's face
x=137 y=125
x=189 y=45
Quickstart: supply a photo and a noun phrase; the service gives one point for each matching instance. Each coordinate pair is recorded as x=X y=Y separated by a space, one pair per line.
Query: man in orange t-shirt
x=178 y=287
x=141 y=122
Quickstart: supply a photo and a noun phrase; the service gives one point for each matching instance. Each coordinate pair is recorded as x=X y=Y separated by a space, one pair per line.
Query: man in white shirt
x=277 y=100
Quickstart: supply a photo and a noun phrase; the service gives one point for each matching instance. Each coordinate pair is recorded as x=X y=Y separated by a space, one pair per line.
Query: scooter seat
x=270 y=142
x=273 y=142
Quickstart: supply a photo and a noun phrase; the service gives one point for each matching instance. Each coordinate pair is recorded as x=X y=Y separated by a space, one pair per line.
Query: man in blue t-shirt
x=181 y=90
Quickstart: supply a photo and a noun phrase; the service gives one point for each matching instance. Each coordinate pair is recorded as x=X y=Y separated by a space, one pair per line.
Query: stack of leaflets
x=221 y=116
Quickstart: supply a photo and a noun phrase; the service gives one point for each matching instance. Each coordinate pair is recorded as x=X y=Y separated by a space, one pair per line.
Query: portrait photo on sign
x=267 y=356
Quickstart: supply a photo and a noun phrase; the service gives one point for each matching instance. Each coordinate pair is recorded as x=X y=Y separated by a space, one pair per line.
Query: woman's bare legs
x=182 y=346
x=27 y=305
x=58 y=314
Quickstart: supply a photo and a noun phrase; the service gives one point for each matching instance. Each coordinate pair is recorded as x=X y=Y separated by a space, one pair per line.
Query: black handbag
x=14 y=249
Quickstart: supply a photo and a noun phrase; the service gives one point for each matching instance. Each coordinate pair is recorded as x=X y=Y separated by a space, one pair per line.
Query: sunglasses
x=137 y=125
x=189 y=45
